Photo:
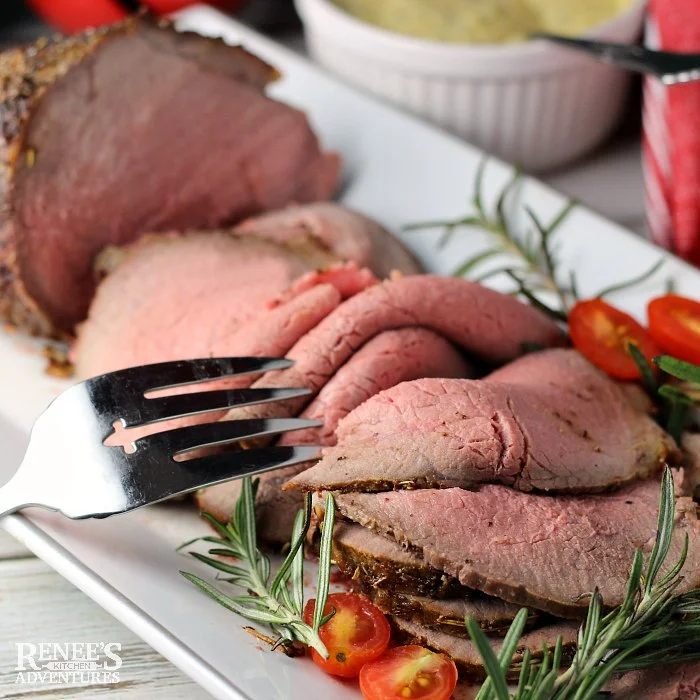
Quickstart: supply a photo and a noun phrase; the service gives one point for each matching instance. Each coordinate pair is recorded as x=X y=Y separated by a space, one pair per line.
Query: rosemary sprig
x=277 y=603
x=680 y=399
x=654 y=626
x=676 y=400
x=530 y=259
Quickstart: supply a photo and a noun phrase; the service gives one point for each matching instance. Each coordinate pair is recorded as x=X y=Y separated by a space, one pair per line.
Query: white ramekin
x=531 y=103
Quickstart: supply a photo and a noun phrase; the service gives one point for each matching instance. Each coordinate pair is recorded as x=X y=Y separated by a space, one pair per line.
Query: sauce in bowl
x=484 y=21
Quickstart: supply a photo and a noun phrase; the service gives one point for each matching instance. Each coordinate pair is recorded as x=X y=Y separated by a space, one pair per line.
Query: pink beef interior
x=177 y=297
x=154 y=131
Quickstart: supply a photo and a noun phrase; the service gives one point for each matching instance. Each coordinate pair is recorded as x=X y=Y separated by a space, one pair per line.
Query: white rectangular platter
x=396 y=169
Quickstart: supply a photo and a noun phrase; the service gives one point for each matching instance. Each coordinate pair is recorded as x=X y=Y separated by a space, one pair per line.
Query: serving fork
x=671 y=68
x=69 y=468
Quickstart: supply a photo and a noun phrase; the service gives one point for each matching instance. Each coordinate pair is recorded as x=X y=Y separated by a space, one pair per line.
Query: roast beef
x=548 y=552
x=387 y=359
x=133 y=129
x=483 y=322
x=381 y=562
x=679 y=682
x=447 y=615
x=691 y=462
x=270 y=332
x=549 y=421
x=347 y=234
x=174 y=297
x=466 y=656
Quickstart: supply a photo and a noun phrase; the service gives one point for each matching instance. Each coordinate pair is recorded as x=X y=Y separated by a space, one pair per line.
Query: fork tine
x=180 y=440
x=235 y=465
x=166 y=375
x=180 y=405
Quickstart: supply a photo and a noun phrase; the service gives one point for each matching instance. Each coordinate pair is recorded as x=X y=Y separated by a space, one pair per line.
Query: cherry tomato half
x=674 y=323
x=603 y=334
x=409 y=672
x=357 y=633
x=71 y=16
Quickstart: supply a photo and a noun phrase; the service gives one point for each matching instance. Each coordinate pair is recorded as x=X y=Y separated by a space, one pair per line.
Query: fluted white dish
x=530 y=103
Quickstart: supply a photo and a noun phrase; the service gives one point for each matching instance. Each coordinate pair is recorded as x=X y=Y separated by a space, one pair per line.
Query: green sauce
x=484 y=21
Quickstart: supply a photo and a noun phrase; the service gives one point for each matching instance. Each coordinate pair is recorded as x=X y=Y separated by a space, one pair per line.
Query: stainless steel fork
x=670 y=68
x=68 y=468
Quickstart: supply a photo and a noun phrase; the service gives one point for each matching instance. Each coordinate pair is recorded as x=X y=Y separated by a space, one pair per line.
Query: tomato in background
x=70 y=16
x=674 y=322
x=603 y=334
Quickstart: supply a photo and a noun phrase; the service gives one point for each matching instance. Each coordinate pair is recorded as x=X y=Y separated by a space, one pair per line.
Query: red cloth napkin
x=672 y=135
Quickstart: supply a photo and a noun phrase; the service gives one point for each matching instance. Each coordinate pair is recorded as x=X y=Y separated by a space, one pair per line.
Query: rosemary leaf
x=498 y=685
x=678 y=368
x=522 y=693
x=645 y=369
x=508 y=647
x=209 y=538
x=299 y=531
x=324 y=564
x=638 y=279
x=301 y=528
x=676 y=417
x=468 y=265
x=664 y=533
x=522 y=289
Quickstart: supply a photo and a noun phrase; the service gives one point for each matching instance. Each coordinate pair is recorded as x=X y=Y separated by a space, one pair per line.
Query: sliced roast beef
x=691 y=462
x=375 y=561
x=174 y=297
x=447 y=615
x=387 y=359
x=466 y=656
x=485 y=323
x=271 y=332
x=548 y=552
x=549 y=421
x=133 y=129
x=679 y=682
x=348 y=234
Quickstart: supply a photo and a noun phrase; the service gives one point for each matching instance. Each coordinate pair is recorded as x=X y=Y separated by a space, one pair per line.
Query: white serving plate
x=397 y=169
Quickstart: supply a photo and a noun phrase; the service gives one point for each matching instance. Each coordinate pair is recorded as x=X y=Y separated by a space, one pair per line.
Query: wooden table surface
x=38 y=605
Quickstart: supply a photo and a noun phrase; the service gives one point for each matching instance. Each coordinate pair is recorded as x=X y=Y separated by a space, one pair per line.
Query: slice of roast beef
x=548 y=552
x=387 y=359
x=271 y=332
x=447 y=615
x=378 y=562
x=679 y=682
x=481 y=321
x=549 y=421
x=690 y=444
x=180 y=296
x=133 y=129
x=384 y=361
x=348 y=234
x=466 y=656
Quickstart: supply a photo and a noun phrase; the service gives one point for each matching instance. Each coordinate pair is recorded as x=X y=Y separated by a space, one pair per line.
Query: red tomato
x=71 y=16
x=409 y=672
x=674 y=323
x=603 y=334
x=357 y=633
